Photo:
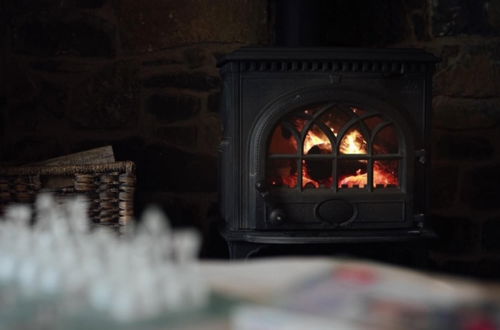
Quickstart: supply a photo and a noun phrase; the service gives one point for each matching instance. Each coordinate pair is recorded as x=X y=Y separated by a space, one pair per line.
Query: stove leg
x=243 y=250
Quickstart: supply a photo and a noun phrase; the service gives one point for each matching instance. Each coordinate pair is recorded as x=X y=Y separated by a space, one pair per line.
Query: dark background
x=141 y=76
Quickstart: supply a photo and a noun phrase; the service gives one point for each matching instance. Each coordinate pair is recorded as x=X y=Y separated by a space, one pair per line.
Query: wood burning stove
x=324 y=145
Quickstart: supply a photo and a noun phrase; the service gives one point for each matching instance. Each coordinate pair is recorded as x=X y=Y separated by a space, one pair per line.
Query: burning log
x=318 y=170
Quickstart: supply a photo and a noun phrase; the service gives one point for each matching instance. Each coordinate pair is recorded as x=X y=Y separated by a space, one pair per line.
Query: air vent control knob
x=277 y=216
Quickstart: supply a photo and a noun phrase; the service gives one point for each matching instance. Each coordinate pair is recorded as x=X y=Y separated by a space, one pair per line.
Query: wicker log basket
x=109 y=187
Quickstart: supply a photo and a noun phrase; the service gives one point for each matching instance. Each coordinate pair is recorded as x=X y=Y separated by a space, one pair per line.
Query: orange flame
x=316 y=137
x=352 y=143
x=381 y=177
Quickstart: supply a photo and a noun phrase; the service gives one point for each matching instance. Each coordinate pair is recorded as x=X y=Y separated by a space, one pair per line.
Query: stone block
x=481 y=187
x=64 y=33
x=160 y=62
x=195 y=57
x=419 y=27
x=444 y=186
x=459 y=146
x=172 y=107
x=34 y=97
x=455 y=17
x=461 y=114
x=475 y=73
x=47 y=65
x=199 y=81
x=54 y=98
x=157 y=24
x=68 y=71
x=180 y=136
x=210 y=133
x=41 y=113
x=449 y=51
x=108 y=99
x=448 y=55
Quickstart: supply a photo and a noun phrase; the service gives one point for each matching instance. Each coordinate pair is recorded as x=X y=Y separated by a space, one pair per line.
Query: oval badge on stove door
x=335 y=211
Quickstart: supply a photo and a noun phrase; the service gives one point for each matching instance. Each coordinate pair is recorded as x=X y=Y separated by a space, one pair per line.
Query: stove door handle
x=276 y=216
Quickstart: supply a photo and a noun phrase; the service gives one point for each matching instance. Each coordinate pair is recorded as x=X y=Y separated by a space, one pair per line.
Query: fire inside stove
x=331 y=146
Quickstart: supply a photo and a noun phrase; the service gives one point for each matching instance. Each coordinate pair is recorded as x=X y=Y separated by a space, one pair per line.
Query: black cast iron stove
x=324 y=145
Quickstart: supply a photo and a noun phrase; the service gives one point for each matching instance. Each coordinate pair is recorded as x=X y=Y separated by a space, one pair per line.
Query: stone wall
x=466 y=135
x=141 y=75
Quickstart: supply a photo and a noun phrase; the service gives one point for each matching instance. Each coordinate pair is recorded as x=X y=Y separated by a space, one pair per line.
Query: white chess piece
x=186 y=245
x=131 y=278
x=76 y=209
x=18 y=214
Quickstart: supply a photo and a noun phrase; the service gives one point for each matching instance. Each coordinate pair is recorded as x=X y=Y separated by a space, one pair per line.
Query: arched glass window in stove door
x=334 y=146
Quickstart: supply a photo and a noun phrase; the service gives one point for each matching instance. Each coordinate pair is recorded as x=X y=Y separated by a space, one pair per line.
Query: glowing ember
x=383 y=176
x=290 y=181
x=360 y=179
x=309 y=182
x=380 y=177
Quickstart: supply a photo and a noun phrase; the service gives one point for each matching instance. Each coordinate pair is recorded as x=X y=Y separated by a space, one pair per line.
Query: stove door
x=334 y=163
